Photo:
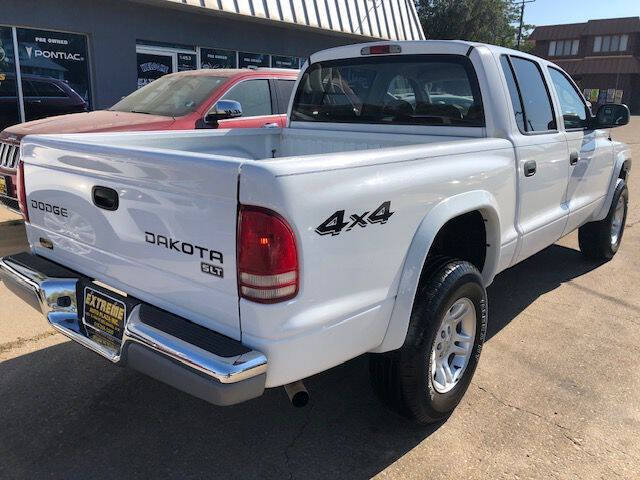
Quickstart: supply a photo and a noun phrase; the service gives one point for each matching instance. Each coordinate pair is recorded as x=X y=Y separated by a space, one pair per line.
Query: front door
x=257 y=105
x=542 y=155
x=591 y=153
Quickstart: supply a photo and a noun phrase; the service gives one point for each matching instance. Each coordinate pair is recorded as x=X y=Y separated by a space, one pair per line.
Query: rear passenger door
x=590 y=152
x=257 y=102
x=542 y=156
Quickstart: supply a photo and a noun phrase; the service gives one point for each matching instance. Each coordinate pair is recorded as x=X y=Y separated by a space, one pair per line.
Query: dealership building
x=105 y=49
x=602 y=56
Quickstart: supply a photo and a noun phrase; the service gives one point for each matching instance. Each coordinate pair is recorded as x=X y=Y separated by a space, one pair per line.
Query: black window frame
x=524 y=110
x=515 y=82
x=281 y=103
x=587 y=111
x=463 y=60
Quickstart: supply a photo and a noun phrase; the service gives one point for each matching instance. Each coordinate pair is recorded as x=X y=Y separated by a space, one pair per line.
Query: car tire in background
x=426 y=378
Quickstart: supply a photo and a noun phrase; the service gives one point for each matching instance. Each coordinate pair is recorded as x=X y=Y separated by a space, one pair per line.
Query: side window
x=574 y=111
x=47 y=89
x=285 y=87
x=28 y=90
x=253 y=95
x=8 y=88
x=513 y=93
x=538 y=113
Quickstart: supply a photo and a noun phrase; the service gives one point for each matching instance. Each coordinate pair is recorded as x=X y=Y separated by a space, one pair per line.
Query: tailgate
x=171 y=239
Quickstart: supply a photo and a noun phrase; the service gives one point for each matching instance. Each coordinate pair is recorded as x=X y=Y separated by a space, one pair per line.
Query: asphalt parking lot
x=556 y=394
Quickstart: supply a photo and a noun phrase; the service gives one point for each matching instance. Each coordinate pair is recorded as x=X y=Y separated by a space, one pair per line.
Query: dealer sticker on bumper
x=104 y=314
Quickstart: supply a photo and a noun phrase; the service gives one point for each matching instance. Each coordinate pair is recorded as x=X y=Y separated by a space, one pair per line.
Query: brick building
x=602 y=56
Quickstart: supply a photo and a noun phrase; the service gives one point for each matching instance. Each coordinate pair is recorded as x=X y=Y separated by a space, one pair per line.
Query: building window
x=611 y=43
x=563 y=48
x=54 y=74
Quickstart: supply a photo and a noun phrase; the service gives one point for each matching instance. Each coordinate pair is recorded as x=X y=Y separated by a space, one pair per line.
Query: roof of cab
x=456 y=47
x=231 y=72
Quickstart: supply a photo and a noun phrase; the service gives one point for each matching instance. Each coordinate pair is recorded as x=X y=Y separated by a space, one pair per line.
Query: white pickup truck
x=410 y=174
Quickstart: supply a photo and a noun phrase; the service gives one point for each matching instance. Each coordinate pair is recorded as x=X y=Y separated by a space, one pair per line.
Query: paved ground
x=556 y=395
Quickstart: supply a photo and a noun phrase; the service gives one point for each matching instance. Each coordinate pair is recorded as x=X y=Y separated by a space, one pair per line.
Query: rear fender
x=416 y=255
x=622 y=163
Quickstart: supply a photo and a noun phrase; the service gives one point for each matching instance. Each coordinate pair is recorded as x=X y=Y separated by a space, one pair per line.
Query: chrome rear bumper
x=222 y=379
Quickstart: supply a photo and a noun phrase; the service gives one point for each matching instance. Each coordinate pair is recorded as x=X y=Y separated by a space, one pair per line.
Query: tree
x=486 y=21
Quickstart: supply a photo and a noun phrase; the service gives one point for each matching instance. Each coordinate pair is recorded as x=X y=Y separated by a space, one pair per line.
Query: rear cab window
x=401 y=90
x=529 y=94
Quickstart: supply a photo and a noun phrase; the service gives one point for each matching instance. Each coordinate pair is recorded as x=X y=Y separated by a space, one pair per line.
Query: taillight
x=267 y=256
x=22 y=192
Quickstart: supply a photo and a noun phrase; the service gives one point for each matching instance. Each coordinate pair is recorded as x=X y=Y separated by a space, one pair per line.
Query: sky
x=549 y=12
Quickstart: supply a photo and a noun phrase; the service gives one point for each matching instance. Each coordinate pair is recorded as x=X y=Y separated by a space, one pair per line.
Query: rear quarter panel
x=349 y=281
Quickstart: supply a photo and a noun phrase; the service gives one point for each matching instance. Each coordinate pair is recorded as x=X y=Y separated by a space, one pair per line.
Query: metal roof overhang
x=364 y=19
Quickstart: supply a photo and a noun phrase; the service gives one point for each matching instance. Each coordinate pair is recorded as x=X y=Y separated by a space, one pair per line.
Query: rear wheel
x=601 y=240
x=426 y=378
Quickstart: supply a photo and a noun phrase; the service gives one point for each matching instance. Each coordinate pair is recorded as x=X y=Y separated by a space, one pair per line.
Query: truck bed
x=261 y=143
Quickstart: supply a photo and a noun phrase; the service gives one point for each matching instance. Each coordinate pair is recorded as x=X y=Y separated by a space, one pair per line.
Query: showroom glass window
x=216 y=58
x=58 y=61
x=247 y=59
x=9 y=107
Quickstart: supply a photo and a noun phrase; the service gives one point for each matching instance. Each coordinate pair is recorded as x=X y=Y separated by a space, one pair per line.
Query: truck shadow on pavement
x=66 y=413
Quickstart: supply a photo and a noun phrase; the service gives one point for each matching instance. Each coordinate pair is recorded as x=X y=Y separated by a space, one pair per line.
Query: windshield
x=170 y=96
x=406 y=90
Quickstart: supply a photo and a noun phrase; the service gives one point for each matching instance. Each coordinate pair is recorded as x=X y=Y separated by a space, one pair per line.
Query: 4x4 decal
x=336 y=222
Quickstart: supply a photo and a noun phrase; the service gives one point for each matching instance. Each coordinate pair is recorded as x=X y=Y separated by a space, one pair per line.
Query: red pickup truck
x=179 y=101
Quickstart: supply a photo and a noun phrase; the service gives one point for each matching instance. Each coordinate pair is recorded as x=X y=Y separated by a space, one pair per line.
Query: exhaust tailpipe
x=297 y=393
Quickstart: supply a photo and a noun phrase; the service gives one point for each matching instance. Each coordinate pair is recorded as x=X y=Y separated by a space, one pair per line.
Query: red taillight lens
x=22 y=192
x=267 y=256
x=380 y=49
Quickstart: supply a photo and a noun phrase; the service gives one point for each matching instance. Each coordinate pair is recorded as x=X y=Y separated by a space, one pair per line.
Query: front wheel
x=601 y=240
x=426 y=378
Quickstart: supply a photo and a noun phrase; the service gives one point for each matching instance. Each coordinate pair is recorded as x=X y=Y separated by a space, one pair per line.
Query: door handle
x=105 y=198
x=270 y=125
x=573 y=158
x=530 y=168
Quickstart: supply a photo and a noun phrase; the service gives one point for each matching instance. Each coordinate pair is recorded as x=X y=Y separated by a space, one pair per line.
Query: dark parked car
x=43 y=97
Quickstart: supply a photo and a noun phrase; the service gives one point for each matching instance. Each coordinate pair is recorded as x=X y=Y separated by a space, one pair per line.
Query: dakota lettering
x=183 y=247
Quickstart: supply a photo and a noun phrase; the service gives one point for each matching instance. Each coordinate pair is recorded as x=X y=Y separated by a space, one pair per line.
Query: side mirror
x=222 y=110
x=611 y=115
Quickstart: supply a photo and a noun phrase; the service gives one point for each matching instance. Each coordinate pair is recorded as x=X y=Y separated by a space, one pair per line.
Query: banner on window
x=215 y=58
x=279 y=61
x=247 y=59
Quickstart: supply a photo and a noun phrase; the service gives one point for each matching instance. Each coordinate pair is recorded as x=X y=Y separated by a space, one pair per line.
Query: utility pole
x=522 y=2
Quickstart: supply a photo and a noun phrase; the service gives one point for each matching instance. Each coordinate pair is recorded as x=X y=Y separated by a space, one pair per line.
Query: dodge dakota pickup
x=229 y=261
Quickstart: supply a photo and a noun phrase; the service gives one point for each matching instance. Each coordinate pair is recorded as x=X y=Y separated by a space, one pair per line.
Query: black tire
x=595 y=238
x=402 y=378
